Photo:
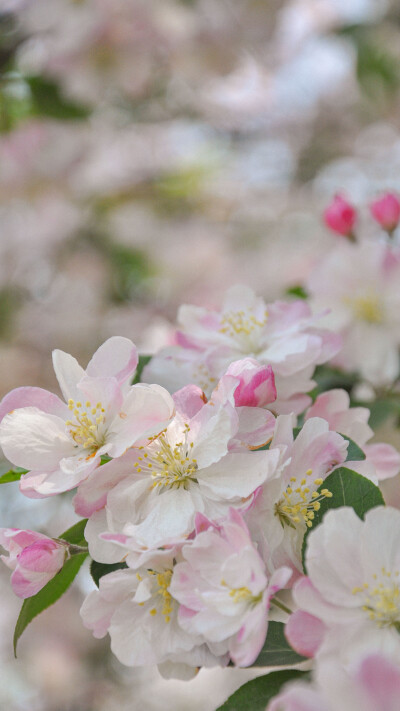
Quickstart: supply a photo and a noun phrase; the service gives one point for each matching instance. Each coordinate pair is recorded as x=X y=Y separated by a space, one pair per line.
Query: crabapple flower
x=364 y=307
x=188 y=468
x=137 y=609
x=63 y=443
x=340 y=216
x=382 y=460
x=282 y=335
x=34 y=559
x=386 y=211
x=224 y=589
x=286 y=503
x=372 y=684
x=256 y=387
x=353 y=585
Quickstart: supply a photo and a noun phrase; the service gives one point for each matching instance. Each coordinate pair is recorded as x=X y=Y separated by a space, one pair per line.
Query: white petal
x=68 y=373
x=238 y=474
x=34 y=440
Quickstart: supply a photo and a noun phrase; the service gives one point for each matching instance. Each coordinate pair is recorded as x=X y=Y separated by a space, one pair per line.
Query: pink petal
x=189 y=400
x=33 y=397
x=385 y=458
x=117 y=358
x=305 y=633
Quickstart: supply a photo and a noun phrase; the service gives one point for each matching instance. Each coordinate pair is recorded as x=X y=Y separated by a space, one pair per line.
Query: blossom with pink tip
x=284 y=336
x=201 y=463
x=286 y=502
x=371 y=683
x=386 y=211
x=358 y=287
x=340 y=216
x=353 y=586
x=382 y=460
x=137 y=608
x=34 y=559
x=61 y=444
x=224 y=590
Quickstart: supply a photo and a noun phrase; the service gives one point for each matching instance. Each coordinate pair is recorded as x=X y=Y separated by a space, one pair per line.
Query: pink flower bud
x=340 y=216
x=256 y=386
x=34 y=558
x=386 y=211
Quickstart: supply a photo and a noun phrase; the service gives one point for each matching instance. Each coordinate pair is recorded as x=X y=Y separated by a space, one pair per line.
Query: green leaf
x=298 y=291
x=348 y=489
x=255 y=695
x=380 y=410
x=277 y=651
x=76 y=534
x=130 y=268
x=56 y=587
x=48 y=100
x=354 y=452
x=104 y=459
x=97 y=570
x=328 y=378
x=12 y=475
x=143 y=360
x=48 y=595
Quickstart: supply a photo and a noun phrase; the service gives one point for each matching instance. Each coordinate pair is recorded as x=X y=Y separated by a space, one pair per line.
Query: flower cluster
x=358 y=282
x=207 y=492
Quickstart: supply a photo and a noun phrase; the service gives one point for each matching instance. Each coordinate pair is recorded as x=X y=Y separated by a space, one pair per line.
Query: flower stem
x=281 y=606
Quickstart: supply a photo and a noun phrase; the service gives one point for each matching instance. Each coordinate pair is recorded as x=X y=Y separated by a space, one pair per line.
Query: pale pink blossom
x=61 y=444
x=382 y=460
x=286 y=503
x=282 y=335
x=353 y=585
x=34 y=559
x=372 y=684
x=200 y=463
x=224 y=589
x=364 y=306
x=137 y=609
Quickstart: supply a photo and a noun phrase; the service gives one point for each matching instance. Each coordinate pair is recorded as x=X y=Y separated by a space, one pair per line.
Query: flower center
x=203 y=378
x=87 y=429
x=242 y=594
x=367 y=308
x=163 y=581
x=168 y=465
x=244 y=327
x=300 y=502
x=381 y=599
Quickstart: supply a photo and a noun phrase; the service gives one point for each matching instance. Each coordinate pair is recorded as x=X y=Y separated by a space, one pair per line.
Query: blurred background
x=153 y=153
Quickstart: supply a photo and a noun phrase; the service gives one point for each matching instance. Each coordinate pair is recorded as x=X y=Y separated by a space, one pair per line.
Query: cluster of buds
x=341 y=216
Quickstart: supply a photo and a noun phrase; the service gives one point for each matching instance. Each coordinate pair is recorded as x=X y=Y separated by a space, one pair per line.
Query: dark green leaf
x=143 y=360
x=97 y=570
x=75 y=534
x=12 y=475
x=48 y=100
x=354 y=452
x=48 y=595
x=277 y=651
x=255 y=695
x=130 y=268
x=348 y=489
x=298 y=291
x=328 y=378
